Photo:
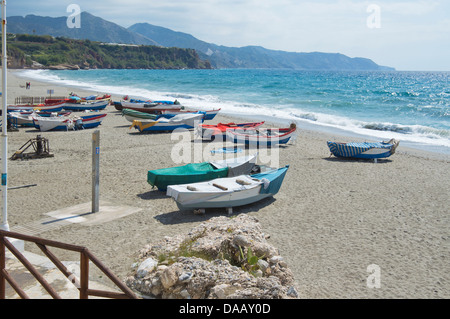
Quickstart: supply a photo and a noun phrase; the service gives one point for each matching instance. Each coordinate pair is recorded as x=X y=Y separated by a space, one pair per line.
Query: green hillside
x=51 y=51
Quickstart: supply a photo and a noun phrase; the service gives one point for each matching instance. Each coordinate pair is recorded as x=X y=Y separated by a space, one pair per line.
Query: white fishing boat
x=54 y=107
x=65 y=123
x=26 y=118
x=186 y=121
x=227 y=192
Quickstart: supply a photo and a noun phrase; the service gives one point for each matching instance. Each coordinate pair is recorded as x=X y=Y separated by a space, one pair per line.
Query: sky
x=407 y=35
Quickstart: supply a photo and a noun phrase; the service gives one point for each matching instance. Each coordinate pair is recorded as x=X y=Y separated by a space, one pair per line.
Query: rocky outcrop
x=223 y=258
x=63 y=67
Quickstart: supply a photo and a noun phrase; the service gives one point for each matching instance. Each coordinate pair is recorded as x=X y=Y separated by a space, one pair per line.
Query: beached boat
x=126 y=102
x=65 y=123
x=365 y=150
x=74 y=99
x=199 y=172
x=186 y=121
x=26 y=118
x=52 y=107
x=93 y=97
x=95 y=105
x=209 y=115
x=210 y=131
x=228 y=192
x=132 y=115
x=261 y=136
x=150 y=107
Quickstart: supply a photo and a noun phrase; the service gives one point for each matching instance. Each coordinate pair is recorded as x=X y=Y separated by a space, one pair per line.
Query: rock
x=185 y=277
x=169 y=277
x=185 y=294
x=64 y=67
x=219 y=265
x=278 y=260
x=263 y=265
x=241 y=240
x=292 y=292
x=145 y=267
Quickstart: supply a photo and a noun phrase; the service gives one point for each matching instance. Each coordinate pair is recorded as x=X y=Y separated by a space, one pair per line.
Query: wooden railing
x=82 y=284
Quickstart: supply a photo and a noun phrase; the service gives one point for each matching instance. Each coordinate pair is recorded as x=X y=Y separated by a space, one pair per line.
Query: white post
x=4 y=224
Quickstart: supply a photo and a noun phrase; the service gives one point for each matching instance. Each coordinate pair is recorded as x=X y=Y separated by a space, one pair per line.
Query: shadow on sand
x=187 y=216
x=360 y=160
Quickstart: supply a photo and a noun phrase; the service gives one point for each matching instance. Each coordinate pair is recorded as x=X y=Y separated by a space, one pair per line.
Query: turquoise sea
x=413 y=107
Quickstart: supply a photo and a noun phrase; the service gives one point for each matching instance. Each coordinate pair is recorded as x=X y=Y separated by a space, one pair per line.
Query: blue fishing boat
x=364 y=150
x=96 y=105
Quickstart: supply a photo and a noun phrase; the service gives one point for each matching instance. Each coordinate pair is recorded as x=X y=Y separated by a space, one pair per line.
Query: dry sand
x=331 y=220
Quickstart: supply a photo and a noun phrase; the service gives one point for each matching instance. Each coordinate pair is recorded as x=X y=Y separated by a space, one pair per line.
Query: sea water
x=413 y=107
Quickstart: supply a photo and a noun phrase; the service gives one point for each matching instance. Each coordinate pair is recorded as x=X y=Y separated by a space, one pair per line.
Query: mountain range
x=97 y=29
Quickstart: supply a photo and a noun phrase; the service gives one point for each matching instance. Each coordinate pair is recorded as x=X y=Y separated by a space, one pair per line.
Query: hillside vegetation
x=50 y=52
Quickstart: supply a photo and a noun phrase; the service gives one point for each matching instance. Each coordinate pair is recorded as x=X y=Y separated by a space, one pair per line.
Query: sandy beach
x=333 y=220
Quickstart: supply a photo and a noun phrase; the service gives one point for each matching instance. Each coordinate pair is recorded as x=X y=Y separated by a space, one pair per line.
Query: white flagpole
x=4 y=178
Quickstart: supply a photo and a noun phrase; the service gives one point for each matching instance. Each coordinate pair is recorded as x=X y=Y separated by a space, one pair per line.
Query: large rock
x=223 y=258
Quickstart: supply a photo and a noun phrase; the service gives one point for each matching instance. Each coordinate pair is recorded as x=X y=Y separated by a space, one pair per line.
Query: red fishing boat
x=210 y=132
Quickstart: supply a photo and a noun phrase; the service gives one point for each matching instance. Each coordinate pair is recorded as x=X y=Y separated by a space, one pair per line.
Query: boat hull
x=149 y=107
x=186 y=121
x=203 y=196
x=363 y=150
x=228 y=201
x=65 y=124
x=26 y=118
x=199 y=172
x=88 y=106
x=30 y=108
x=209 y=115
x=209 y=132
x=265 y=137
